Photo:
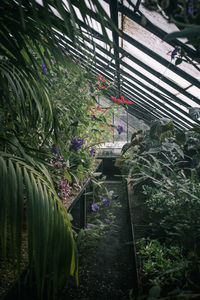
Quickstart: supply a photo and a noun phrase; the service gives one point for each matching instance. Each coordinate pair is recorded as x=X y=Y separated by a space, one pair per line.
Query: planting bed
x=106 y=258
x=106 y=253
x=163 y=270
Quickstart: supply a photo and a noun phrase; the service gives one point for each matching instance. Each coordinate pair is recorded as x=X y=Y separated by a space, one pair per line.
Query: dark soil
x=106 y=264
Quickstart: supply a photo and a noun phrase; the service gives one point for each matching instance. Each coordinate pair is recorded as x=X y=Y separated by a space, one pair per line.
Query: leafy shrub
x=160 y=264
x=174 y=211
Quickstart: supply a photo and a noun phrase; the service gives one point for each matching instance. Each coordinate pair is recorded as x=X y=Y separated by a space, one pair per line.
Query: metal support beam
x=142 y=94
x=104 y=63
x=165 y=100
x=114 y=17
x=159 y=87
x=137 y=5
x=137 y=96
x=160 y=75
x=146 y=67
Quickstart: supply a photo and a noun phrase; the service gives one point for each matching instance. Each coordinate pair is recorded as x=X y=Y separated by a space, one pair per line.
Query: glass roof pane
x=149 y=61
x=156 y=81
x=154 y=17
x=78 y=14
x=148 y=39
x=105 y=7
x=133 y=87
x=163 y=108
x=188 y=100
x=141 y=89
x=95 y=25
x=194 y=91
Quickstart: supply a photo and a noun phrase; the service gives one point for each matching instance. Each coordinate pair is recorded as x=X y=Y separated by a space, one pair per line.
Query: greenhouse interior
x=100 y=149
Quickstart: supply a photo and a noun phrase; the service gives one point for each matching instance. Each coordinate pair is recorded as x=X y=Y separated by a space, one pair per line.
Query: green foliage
x=99 y=222
x=25 y=21
x=154 y=292
x=160 y=152
x=160 y=264
x=45 y=219
x=32 y=122
x=44 y=105
x=194 y=113
x=175 y=207
x=163 y=169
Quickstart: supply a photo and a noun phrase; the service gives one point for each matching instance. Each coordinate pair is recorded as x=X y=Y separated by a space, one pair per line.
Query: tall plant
x=28 y=43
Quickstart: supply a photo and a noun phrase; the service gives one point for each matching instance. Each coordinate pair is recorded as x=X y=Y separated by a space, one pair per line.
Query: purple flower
x=174 y=53
x=95 y=207
x=76 y=144
x=52 y=61
x=105 y=202
x=92 y=151
x=192 y=7
x=55 y=150
x=44 y=67
x=88 y=225
x=107 y=221
x=115 y=196
x=192 y=11
x=120 y=129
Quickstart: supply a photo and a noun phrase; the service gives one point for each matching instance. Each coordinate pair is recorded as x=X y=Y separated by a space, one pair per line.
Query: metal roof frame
x=148 y=103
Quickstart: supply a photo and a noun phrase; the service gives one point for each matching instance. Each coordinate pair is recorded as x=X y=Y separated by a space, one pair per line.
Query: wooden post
x=83 y=206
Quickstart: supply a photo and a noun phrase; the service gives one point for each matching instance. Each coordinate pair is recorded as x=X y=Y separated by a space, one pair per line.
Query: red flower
x=99 y=108
x=101 y=86
x=101 y=77
x=128 y=102
x=122 y=100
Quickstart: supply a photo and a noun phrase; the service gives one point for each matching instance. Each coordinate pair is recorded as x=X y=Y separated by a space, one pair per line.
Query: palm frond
x=52 y=251
x=27 y=22
x=24 y=97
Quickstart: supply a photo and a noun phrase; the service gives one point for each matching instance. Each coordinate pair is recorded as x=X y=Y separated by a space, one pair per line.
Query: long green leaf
x=192 y=31
x=52 y=252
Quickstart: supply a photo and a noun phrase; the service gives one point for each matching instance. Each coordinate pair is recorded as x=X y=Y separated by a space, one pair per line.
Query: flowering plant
x=80 y=126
